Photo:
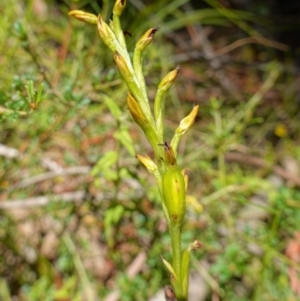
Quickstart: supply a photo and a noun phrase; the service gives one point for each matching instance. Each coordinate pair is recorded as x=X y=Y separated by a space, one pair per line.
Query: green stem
x=175 y=233
x=151 y=135
x=120 y=35
x=159 y=108
x=176 y=248
x=137 y=66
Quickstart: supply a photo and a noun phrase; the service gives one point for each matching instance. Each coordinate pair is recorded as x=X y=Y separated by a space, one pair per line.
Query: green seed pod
x=173 y=187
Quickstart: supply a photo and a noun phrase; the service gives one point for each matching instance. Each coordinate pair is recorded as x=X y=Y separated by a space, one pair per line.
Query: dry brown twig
x=259 y=162
x=251 y=40
x=73 y=197
x=52 y=174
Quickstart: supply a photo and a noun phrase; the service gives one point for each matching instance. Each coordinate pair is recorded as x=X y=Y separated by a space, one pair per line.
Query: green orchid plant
x=171 y=181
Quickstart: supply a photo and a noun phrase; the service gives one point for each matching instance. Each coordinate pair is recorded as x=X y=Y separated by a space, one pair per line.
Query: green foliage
x=112 y=217
x=62 y=101
x=103 y=168
x=231 y=264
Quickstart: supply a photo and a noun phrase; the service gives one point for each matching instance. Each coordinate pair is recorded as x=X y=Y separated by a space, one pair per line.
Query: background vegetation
x=80 y=218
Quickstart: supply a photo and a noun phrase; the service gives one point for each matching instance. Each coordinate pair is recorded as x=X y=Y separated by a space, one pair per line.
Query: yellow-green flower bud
x=106 y=34
x=119 y=6
x=122 y=67
x=83 y=16
x=140 y=118
x=136 y=111
x=196 y=245
x=148 y=163
x=168 y=80
x=173 y=188
x=187 y=122
x=146 y=39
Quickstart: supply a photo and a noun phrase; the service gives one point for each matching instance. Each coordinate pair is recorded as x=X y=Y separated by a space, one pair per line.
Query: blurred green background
x=80 y=218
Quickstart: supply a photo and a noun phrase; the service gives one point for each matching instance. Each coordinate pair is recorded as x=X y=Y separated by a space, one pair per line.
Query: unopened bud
x=196 y=245
x=122 y=67
x=119 y=6
x=140 y=118
x=83 y=16
x=106 y=34
x=136 y=111
x=148 y=163
x=146 y=39
x=169 y=79
x=187 y=122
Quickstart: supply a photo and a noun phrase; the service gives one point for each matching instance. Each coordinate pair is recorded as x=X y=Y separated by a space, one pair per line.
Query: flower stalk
x=171 y=181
